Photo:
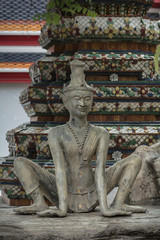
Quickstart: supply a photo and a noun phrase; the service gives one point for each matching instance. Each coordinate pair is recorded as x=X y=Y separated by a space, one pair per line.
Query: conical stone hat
x=77 y=81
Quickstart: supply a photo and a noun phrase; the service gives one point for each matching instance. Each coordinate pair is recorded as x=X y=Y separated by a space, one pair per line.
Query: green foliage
x=55 y=8
x=156 y=59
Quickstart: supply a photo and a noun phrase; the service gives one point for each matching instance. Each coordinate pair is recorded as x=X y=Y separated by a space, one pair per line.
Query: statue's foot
x=128 y=208
x=52 y=213
x=112 y=212
x=33 y=209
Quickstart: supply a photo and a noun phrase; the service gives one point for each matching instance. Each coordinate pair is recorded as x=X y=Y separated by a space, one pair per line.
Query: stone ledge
x=80 y=226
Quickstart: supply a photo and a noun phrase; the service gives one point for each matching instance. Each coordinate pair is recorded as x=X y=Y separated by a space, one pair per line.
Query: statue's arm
x=101 y=183
x=101 y=156
x=61 y=180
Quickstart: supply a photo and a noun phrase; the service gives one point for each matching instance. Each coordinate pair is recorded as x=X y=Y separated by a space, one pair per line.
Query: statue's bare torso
x=81 y=187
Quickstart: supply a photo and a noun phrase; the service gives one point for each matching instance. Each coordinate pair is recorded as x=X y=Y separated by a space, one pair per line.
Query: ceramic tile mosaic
x=13 y=191
x=11 y=143
x=132 y=141
x=121 y=137
x=33 y=93
x=124 y=8
x=84 y=27
x=109 y=62
x=33 y=109
x=126 y=107
x=57 y=108
x=103 y=90
x=133 y=91
x=117 y=141
x=101 y=107
x=113 y=128
x=42 y=147
x=42 y=70
x=23 y=143
x=54 y=93
x=127 y=62
x=7 y=173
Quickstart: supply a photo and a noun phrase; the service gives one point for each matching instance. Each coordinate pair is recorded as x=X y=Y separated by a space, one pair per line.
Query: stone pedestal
x=80 y=226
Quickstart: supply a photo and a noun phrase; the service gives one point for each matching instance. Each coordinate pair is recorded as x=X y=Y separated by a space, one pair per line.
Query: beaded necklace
x=80 y=146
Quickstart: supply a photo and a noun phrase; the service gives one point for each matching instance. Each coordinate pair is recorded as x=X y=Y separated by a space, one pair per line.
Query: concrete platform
x=80 y=226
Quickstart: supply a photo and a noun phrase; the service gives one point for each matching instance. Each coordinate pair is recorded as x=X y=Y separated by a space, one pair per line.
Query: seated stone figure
x=147 y=184
x=75 y=187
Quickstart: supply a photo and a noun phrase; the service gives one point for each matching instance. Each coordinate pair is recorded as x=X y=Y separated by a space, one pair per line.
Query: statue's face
x=79 y=102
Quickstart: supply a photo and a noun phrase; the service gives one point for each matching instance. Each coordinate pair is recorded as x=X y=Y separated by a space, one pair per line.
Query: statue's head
x=78 y=95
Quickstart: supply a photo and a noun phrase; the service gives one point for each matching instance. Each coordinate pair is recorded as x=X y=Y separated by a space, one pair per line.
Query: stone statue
x=147 y=184
x=75 y=187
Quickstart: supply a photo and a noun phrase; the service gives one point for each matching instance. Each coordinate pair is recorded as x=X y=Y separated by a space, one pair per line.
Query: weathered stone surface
x=80 y=226
x=145 y=188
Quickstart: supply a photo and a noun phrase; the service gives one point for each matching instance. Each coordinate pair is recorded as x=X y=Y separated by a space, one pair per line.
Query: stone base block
x=80 y=226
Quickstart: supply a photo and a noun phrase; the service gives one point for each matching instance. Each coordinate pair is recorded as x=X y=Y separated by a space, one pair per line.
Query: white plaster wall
x=12 y=113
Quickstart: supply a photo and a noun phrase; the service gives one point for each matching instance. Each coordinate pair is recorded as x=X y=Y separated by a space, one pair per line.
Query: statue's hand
x=111 y=212
x=52 y=213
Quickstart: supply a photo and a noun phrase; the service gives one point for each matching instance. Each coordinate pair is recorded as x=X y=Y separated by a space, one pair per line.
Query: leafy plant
x=57 y=8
